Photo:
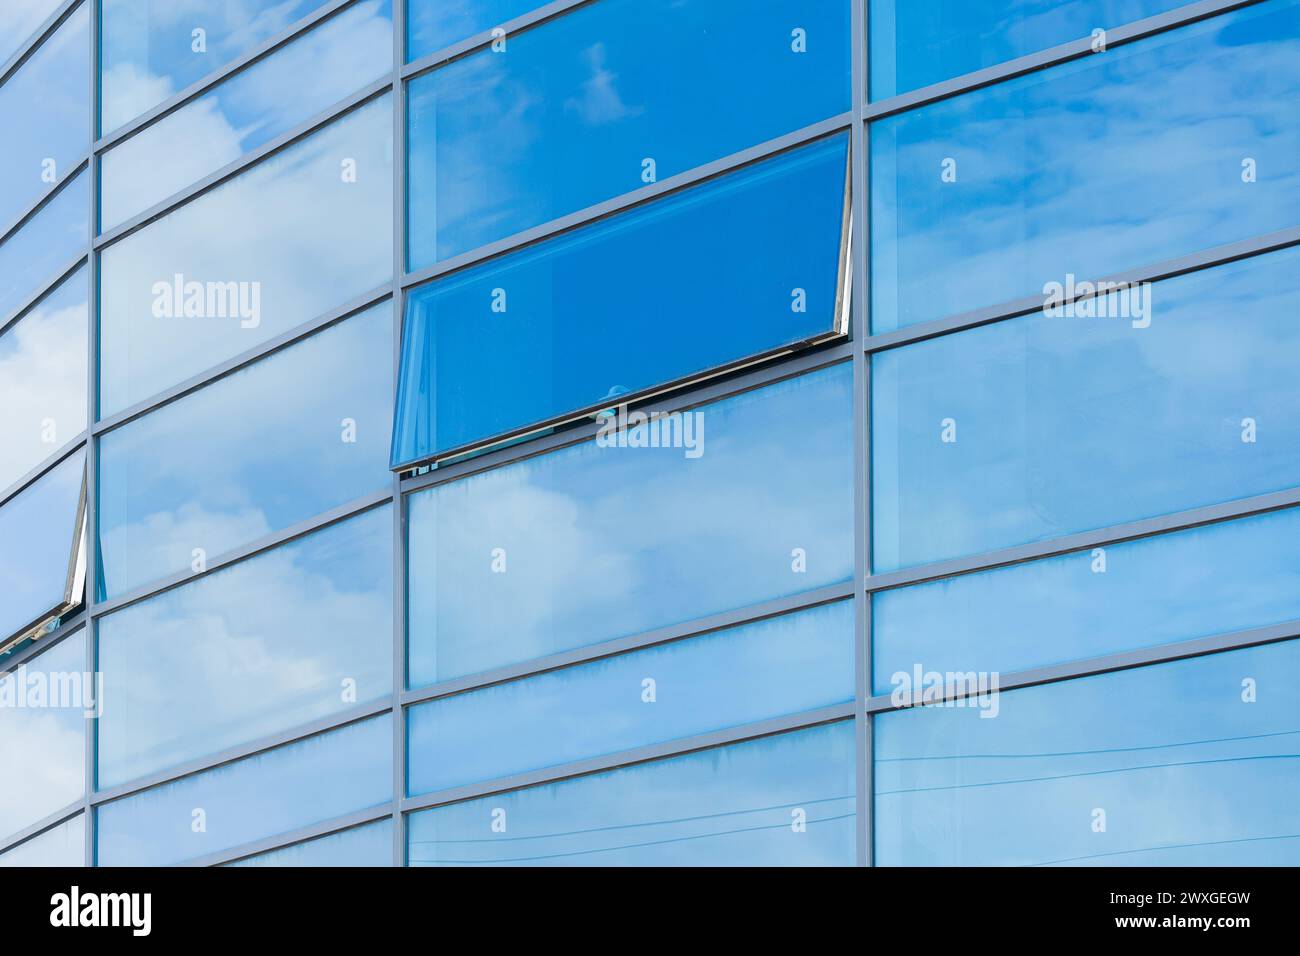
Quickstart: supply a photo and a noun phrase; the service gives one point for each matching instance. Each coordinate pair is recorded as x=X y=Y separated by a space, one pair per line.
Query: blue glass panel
x=37 y=528
x=48 y=242
x=562 y=325
x=20 y=21
x=153 y=49
x=1210 y=580
x=43 y=380
x=1088 y=169
x=1188 y=763
x=63 y=845
x=246 y=261
x=604 y=539
x=45 y=115
x=272 y=792
x=1068 y=424
x=741 y=805
x=569 y=114
x=918 y=42
x=248 y=110
x=289 y=636
x=435 y=24
x=229 y=446
x=42 y=734
x=369 y=845
x=784 y=665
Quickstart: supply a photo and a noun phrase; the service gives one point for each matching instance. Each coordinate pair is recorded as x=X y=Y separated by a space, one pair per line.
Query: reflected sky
x=578 y=307
x=272 y=792
x=45 y=115
x=251 y=649
x=248 y=110
x=600 y=542
x=369 y=845
x=48 y=743
x=1210 y=580
x=63 y=845
x=1186 y=771
x=221 y=483
x=1093 y=167
x=1068 y=424
x=434 y=24
x=780 y=666
x=500 y=142
x=19 y=20
x=149 y=45
x=272 y=228
x=731 y=806
x=36 y=534
x=46 y=243
x=918 y=42
x=43 y=380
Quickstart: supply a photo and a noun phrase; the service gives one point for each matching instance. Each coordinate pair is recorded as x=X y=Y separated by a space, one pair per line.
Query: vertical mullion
x=399 y=509
x=91 y=528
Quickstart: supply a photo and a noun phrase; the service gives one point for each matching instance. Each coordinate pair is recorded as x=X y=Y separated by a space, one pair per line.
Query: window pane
x=276 y=791
x=20 y=21
x=918 y=42
x=283 y=638
x=1208 y=784
x=781 y=666
x=153 y=49
x=221 y=483
x=47 y=243
x=63 y=845
x=43 y=380
x=434 y=24
x=1055 y=170
x=43 y=733
x=600 y=541
x=732 y=806
x=39 y=530
x=245 y=262
x=560 y=326
x=248 y=110
x=369 y=845
x=45 y=115
x=570 y=115
x=1197 y=583
x=1068 y=424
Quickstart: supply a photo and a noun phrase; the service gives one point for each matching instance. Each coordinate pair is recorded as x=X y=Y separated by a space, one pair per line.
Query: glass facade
x=649 y=433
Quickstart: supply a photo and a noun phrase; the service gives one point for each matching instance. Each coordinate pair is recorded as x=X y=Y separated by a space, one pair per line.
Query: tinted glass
x=272 y=792
x=562 y=325
x=43 y=380
x=434 y=24
x=42 y=734
x=153 y=49
x=63 y=845
x=248 y=110
x=597 y=541
x=19 y=21
x=1188 y=763
x=48 y=242
x=1066 y=424
x=243 y=263
x=222 y=481
x=45 y=115
x=1154 y=150
x=283 y=638
x=370 y=845
x=572 y=111
x=918 y=42
x=781 y=666
x=779 y=801
x=1211 y=580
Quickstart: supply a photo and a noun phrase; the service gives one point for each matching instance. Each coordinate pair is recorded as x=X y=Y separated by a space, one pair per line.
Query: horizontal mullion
x=43 y=33
x=31 y=831
x=66 y=270
x=40 y=470
x=65 y=630
x=349 y=821
x=45 y=199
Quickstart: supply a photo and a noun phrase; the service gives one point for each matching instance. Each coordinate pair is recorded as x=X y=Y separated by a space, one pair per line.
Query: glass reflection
x=1069 y=424
x=784 y=665
x=581 y=109
x=253 y=798
x=43 y=380
x=1088 y=169
x=1206 y=784
x=63 y=845
x=369 y=845
x=434 y=24
x=283 y=638
x=248 y=110
x=47 y=243
x=731 y=806
x=20 y=21
x=221 y=483
x=602 y=541
x=243 y=263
